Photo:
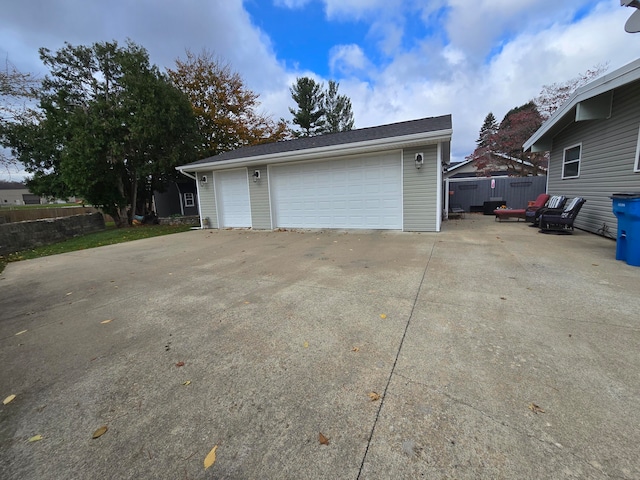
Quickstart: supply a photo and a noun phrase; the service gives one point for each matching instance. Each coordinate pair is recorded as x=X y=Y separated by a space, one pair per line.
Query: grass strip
x=109 y=236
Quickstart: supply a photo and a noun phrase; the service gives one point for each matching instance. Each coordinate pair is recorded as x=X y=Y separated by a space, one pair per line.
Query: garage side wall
x=207 y=194
x=259 y=198
x=420 y=189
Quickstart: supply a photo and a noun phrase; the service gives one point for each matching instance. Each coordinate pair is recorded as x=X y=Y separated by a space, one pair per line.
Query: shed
x=594 y=144
x=383 y=177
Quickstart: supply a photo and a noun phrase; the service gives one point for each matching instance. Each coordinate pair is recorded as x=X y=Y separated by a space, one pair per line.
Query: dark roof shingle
x=431 y=124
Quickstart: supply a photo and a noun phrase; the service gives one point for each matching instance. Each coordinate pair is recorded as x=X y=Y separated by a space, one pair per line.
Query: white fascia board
x=616 y=79
x=388 y=143
x=459 y=165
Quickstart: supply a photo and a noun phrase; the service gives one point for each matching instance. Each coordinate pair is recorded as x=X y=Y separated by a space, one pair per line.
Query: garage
x=364 y=192
x=232 y=197
x=386 y=177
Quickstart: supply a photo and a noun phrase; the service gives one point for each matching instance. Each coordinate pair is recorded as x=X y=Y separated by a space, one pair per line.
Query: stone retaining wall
x=18 y=236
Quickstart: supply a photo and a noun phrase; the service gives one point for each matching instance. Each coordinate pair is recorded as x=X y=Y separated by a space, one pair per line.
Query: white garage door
x=364 y=192
x=232 y=198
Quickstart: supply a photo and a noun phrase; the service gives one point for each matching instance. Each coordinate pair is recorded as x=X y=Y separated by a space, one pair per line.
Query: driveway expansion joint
x=395 y=362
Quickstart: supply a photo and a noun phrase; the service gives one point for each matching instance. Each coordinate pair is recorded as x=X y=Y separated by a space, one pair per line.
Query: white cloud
x=448 y=70
x=291 y=3
x=355 y=9
x=432 y=81
x=349 y=60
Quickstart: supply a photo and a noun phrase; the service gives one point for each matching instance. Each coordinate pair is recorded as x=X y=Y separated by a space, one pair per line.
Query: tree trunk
x=134 y=195
x=123 y=217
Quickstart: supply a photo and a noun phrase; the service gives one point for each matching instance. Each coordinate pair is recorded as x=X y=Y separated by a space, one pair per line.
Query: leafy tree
x=503 y=148
x=109 y=124
x=489 y=128
x=225 y=109
x=16 y=91
x=554 y=95
x=337 y=108
x=309 y=116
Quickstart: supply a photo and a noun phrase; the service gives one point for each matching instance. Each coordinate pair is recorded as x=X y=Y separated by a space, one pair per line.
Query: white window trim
x=189 y=200
x=579 y=160
x=636 y=164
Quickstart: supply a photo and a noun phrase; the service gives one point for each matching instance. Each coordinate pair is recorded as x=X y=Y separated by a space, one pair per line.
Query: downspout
x=439 y=187
x=180 y=197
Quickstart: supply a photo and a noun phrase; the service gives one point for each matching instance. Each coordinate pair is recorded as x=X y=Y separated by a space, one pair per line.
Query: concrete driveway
x=496 y=352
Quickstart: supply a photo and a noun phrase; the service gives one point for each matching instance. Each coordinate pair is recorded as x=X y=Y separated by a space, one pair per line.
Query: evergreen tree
x=309 y=116
x=338 y=114
x=489 y=128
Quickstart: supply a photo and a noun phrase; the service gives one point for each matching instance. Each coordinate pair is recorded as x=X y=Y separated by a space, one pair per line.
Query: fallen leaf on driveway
x=383 y=316
x=322 y=439
x=35 y=438
x=355 y=349
x=99 y=432
x=180 y=364
x=306 y=344
x=374 y=396
x=210 y=459
x=188 y=382
x=535 y=408
x=21 y=332
x=8 y=400
x=107 y=321
x=68 y=294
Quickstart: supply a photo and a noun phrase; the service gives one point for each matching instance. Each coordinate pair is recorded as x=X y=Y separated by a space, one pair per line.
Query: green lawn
x=107 y=237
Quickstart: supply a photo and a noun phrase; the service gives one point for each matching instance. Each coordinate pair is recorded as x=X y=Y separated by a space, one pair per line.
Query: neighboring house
x=594 y=140
x=180 y=198
x=13 y=193
x=468 y=169
x=385 y=177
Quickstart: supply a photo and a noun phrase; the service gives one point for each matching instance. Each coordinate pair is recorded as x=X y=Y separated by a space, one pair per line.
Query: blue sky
x=396 y=59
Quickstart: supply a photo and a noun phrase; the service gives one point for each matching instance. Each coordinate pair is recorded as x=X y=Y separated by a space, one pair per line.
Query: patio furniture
x=561 y=222
x=456 y=211
x=502 y=213
x=555 y=204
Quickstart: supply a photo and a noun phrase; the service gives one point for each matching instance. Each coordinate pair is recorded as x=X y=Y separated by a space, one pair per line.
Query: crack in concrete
x=395 y=362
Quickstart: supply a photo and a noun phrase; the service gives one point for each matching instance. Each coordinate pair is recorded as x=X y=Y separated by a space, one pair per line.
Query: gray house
x=594 y=143
x=385 y=177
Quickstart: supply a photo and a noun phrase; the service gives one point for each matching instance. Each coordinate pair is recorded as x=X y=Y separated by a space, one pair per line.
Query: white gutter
x=615 y=79
x=192 y=177
x=328 y=151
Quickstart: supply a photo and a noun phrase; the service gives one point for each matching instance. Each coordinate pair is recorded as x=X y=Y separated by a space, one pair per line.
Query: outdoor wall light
x=419 y=160
x=203 y=179
x=256 y=175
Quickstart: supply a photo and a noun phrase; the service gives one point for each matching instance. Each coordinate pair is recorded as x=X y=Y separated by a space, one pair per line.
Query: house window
x=571 y=161
x=189 y=200
x=636 y=166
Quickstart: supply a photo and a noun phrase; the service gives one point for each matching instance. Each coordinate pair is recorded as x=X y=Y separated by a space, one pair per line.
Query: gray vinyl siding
x=207 y=199
x=420 y=189
x=259 y=198
x=607 y=161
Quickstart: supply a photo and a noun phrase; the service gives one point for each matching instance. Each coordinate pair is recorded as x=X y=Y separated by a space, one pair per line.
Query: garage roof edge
x=427 y=130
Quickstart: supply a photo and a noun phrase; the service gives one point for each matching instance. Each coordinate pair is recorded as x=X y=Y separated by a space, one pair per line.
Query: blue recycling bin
x=626 y=207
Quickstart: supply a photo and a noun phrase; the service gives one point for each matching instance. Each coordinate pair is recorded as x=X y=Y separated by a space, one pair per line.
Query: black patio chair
x=561 y=222
x=555 y=204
